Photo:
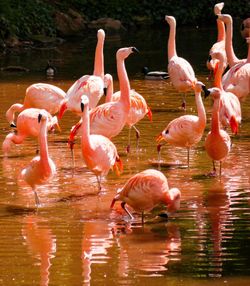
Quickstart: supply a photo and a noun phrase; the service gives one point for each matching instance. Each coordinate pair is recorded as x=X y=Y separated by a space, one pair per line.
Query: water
x=74 y=238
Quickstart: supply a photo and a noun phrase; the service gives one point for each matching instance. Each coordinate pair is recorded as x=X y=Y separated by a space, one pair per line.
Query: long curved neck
x=231 y=57
x=171 y=40
x=44 y=152
x=215 y=127
x=218 y=75
x=201 y=110
x=110 y=91
x=221 y=31
x=10 y=114
x=123 y=82
x=99 y=58
x=85 y=127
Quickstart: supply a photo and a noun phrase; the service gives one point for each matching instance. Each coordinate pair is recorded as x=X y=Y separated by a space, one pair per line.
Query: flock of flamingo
x=98 y=124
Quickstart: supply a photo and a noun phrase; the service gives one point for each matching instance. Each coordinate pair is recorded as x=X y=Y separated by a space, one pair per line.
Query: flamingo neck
x=124 y=83
x=218 y=75
x=43 y=142
x=201 y=110
x=99 y=59
x=10 y=114
x=221 y=31
x=248 y=53
x=110 y=91
x=231 y=57
x=171 y=40
x=215 y=126
x=85 y=127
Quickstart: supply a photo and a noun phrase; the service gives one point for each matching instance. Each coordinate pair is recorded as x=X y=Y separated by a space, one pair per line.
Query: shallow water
x=74 y=238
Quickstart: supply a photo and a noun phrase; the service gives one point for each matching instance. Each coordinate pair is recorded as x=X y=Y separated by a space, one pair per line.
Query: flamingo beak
x=159 y=138
x=105 y=91
x=134 y=49
x=13 y=125
x=39 y=117
x=62 y=110
x=206 y=91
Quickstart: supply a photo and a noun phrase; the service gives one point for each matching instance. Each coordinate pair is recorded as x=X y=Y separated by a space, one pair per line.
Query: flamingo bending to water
x=27 y=125
x=39 y=95
x=108 y=119
x=41 y=168
x=217 y=142
x=180 y=71
x=99 y=153
x=145 y=190
x=187 y=130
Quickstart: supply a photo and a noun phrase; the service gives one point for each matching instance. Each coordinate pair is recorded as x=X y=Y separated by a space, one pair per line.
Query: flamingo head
x=108 y=84
x=245 y=28
x=123 y=53
x=218 y=8
x=173 y=199
x=226 y=18
x=84 y=102
x=100 y=34
x=215 y=92
x=170 y=19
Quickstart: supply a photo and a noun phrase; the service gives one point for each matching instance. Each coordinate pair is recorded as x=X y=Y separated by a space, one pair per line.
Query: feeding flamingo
x=108 y=119
x=145 y=190
x=217 y=142
x=99 y=153
x=39 y=95
x=180 y=71
x=220 y=43
x=138 y=108
x=42 y=167
x=27 y=125
x=187 y=130
x=90 y=85
x=230 y=110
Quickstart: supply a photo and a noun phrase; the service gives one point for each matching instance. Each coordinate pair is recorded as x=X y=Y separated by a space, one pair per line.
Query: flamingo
x=217 y=142
x=232 y=58
x=90 y=85
x=187 y=130
x=27 y=126
x=138 y=108
x=108 y=119
x=145 y=190
x=236 y=79
x=41 y=168
x=220 y=44
x=99 y=153
x=230 y=110
x=38 y=95
x=180 y=71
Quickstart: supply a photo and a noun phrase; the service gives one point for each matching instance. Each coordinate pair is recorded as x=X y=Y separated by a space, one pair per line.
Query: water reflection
x=148 y=249
x=41 y=244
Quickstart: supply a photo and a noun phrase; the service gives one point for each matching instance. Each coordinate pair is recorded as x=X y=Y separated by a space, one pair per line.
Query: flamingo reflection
x=149 y=248
x=41 y=244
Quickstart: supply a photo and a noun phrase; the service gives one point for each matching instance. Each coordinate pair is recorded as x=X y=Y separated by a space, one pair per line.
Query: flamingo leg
x=220 y=168
x=36 y=198
x=188 y=156
x=183 y=105
x=137 y=132
x=99 y=182
x=126 y=210
x=129 y=135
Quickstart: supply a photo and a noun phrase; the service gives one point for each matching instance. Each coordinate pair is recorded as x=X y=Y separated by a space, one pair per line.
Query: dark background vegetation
x=24 y=18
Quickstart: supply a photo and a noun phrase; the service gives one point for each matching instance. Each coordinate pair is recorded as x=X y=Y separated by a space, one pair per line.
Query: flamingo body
x=146 y=190
x=39 y=95
x=27 y=126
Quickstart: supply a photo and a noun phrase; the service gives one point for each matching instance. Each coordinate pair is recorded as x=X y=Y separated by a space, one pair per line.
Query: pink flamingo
x=41 y=168
x=220 y=43
x=138 y=108
x=108 y=119
x=39 y=95
x=180 y=71
x=27 y=126
x=90 y=85
x=145 y=190
x=236 y=79
x=99 y=153
x=187 y=130
x=217 y=142
x=231 y=57
x=230 y=110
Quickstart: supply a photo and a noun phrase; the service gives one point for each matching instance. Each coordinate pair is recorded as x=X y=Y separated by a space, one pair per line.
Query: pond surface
x=74 y=238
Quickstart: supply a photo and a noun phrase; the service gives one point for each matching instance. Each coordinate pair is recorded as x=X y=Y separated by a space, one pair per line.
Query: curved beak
x=159 y=138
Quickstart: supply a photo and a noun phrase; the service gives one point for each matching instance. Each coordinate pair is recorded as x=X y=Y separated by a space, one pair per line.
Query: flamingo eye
x=166 y=132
